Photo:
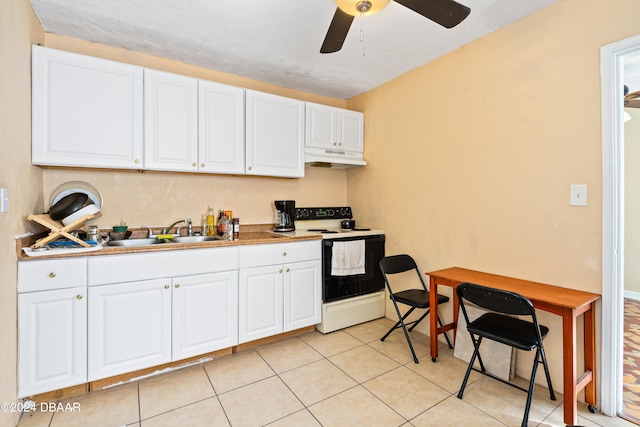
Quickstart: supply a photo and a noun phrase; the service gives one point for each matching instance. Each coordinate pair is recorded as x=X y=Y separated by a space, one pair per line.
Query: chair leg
x=426 y=313
x=532 y=384
x=476 y=353
x=404 y=328
x=397 y=325
x=552 y=395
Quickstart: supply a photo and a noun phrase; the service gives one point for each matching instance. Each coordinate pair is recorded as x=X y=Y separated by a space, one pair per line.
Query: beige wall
x=158 y=199
x=18 y=30
x=471 y=156
x=632 y=201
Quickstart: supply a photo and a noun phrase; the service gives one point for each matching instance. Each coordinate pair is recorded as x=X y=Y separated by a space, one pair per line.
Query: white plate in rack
x=77 y=187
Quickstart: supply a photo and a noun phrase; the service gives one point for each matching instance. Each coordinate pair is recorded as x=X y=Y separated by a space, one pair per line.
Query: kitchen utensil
x=348 y=224
x=67 y=205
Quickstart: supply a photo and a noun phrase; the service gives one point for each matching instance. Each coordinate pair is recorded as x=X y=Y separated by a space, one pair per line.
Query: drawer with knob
x=279 y=253
x=45 y=275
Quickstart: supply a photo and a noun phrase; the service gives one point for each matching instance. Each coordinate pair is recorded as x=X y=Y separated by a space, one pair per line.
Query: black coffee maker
x=285 y=214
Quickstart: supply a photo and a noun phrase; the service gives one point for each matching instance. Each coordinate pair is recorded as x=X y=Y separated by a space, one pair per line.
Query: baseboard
x=632 y=295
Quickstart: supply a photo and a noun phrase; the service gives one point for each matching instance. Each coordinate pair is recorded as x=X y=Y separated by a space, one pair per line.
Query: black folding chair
x=415 y=298
x=500 y=325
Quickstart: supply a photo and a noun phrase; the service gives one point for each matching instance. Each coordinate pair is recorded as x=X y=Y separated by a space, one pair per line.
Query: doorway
x=612 y=81
x=631 y=252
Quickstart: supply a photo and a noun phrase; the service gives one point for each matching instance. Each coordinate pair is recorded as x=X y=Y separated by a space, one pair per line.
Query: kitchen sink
x=194 y=239
x=134 y=242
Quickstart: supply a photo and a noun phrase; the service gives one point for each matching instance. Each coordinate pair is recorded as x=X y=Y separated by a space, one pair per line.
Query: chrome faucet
x=168 y=229
x=186 y=221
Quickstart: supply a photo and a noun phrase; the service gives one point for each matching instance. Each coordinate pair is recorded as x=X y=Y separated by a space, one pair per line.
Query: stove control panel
x=323 y=213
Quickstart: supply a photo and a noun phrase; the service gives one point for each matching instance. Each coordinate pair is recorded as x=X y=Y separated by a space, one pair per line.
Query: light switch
x=578 y=195
x=4 y=200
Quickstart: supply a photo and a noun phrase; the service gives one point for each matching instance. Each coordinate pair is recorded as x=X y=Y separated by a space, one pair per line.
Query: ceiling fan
x=447 y=13
x=631 y=100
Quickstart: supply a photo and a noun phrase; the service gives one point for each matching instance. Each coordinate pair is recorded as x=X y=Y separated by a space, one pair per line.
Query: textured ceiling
x=278 y=41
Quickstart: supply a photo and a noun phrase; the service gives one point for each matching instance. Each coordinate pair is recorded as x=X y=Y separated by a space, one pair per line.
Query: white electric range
x=349 y=299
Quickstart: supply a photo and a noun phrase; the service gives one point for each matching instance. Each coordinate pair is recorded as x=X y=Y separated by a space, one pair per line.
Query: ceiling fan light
x=352 y=7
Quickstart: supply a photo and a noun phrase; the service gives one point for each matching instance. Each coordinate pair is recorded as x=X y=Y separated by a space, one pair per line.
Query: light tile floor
x=346 y=378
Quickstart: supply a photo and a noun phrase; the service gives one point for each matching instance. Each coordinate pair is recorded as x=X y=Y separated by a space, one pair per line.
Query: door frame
x=612 y=82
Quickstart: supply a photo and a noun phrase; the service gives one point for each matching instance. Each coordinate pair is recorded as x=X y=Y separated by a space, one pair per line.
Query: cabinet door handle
x=280 y=271
x=201 y=165
x=287 y=270
x=137 y=161
x=79 y=296
x=250 y=168
x=194 y=164
x=166 y=286
x=284 y=254
x=177 y=285
x=52 y=275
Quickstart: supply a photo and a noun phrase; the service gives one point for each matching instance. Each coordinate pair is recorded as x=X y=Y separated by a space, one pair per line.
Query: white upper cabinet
x=96 y=113
x=321 y=126
x=86 y=111
x=221 y=128
x=350 y=126
x=274 y=135
x=170 y=122
x=192 y=125
x=336 y=128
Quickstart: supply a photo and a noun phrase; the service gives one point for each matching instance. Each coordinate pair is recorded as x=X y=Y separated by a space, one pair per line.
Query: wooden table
x=568 y=303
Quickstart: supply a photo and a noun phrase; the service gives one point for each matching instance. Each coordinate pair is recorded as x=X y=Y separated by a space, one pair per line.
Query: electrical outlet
x=578 y=196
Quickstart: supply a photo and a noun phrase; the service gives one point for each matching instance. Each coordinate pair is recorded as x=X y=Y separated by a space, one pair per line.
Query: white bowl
x=87 y=210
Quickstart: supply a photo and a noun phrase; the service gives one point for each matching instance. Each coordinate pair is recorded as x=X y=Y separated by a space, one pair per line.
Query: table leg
x=590 y=354
x=569 y=366
x=433 y=318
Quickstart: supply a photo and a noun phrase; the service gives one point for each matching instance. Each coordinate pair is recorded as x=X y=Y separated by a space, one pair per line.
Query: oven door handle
x=367 y=239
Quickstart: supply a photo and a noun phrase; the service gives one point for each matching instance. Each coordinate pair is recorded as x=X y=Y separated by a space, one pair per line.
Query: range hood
x=331 y=158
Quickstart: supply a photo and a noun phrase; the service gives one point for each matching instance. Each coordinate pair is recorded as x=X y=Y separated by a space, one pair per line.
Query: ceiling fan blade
x=447 y=13
x=632 y=100
x=337 y=32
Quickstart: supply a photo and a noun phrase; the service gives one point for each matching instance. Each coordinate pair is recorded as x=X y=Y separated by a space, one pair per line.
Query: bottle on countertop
x=236 y=228
x=210 y=223
x=229 y=228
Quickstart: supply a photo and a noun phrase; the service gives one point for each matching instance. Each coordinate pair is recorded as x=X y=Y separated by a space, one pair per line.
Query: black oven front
x=335 y=288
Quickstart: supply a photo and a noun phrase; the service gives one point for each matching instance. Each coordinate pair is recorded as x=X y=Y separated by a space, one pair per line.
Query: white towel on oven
x=347 y=258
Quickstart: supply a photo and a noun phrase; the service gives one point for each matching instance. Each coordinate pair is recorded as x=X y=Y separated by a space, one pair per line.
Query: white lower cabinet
x=204 y=313
x=129 y=327
x=260 y=297
x=302 y=294
x=52 y=340
x=279 y=297
x=88 y=318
